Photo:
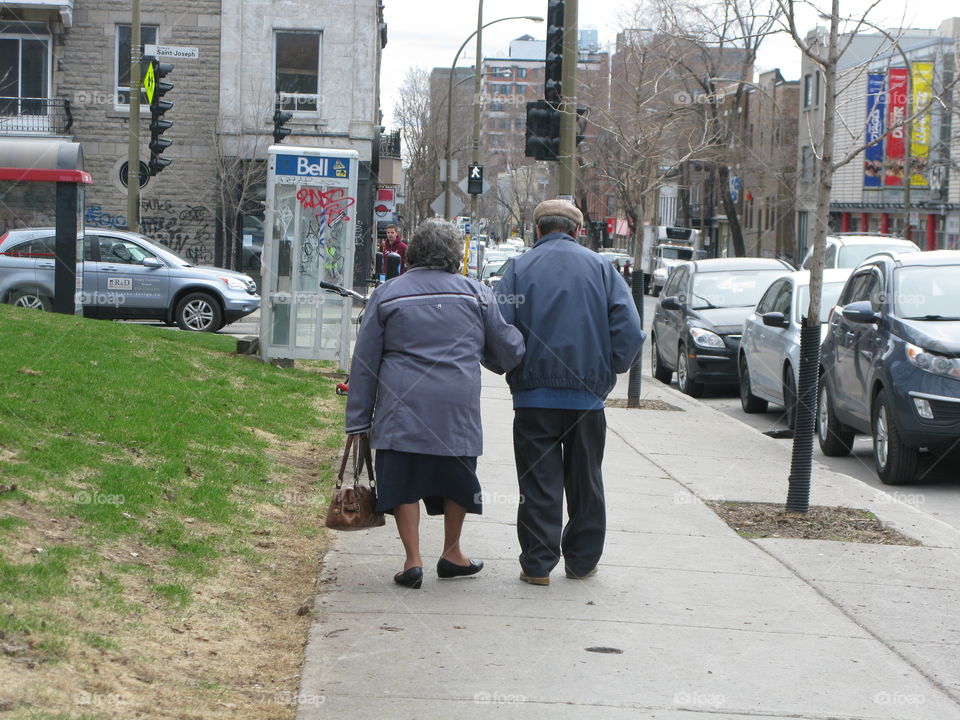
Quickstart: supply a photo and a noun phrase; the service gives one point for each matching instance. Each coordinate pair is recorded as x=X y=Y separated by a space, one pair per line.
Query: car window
x=676 y=281
x=784 y=300
x=42 y=247
x=853 y=255
x=830 y=258
x=741 y=288
x=863 y=286
x=928 y=292
x=769 y=297
x=829 y=298
x=88 y=242
x=115 y=250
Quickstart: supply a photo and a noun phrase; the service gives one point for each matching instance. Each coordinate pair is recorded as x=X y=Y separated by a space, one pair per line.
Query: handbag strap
x=364 y=458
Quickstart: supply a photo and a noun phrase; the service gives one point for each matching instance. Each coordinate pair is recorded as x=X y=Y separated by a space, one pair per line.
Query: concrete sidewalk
x=690 y=617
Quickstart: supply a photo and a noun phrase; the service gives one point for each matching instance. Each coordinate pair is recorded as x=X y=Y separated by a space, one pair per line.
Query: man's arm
x=503 y=344
x=626 y=332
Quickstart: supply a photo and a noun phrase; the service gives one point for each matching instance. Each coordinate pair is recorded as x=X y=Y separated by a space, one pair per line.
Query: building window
x=519 y=124
x=807 y=90
x=148 y=36
x=521 y=72
x=496 y=107
x=24 y=67
x=297 y=64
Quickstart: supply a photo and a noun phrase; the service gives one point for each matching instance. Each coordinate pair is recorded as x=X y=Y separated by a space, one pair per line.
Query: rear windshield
x=675 y=253
x=927 y=292
x=853 y=255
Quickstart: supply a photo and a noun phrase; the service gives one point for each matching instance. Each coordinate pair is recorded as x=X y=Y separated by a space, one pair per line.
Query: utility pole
x=478 y=73
x=133 y=155
x=567 y=169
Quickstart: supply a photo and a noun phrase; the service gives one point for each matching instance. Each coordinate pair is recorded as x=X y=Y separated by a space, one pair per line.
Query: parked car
x=769 y=362
x=698 y=321
x=493 y=271
x=890 y=363
x=848 y=251
x=127 y=276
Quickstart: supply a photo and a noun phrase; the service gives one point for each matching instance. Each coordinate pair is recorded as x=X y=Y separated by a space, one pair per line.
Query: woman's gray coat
x=415 y=376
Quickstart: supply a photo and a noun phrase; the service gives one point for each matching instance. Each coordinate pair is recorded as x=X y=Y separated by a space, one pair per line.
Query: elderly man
x=581 y=328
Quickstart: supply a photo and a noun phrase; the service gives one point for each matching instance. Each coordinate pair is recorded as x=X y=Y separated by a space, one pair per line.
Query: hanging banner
x=876 y=109
x=896 y=113
x=922 y=82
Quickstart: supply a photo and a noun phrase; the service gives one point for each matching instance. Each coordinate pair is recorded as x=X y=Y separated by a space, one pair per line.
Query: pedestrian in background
x=415 y=387
x=394 y=244
x=581 y=328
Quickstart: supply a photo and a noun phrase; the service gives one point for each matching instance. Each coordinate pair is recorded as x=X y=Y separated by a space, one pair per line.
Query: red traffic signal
x=610 y=226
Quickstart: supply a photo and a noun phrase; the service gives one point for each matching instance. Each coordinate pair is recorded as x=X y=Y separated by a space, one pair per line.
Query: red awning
x=45 y=175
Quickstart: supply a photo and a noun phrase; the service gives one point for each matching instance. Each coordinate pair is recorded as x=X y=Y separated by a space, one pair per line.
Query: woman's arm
x=365 y=369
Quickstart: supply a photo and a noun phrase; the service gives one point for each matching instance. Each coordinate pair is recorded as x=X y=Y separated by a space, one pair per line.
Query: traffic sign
x=456 y=204
x=149 y=83
x=172 y=51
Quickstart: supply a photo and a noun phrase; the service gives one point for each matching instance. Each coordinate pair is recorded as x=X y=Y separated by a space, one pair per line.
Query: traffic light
x=475 y=180
x=158 y=108
x=280 y=119
x=554 y=58
x=543 y=131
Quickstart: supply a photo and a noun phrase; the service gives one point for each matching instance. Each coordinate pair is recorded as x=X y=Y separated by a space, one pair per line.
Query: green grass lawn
x=136 y=450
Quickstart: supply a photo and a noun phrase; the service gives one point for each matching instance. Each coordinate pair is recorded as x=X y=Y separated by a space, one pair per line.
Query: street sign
x=456 y=205
x=149 y=83
x=464 y=185
x=172 y=51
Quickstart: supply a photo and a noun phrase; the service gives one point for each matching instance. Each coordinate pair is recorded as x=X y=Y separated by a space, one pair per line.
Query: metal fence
x=35 y=116
x=390 y=144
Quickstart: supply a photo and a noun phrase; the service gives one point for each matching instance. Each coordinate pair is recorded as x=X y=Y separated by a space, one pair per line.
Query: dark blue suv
x=890 y=363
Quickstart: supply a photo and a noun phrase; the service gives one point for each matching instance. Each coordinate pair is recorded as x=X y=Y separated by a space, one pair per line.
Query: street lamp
x=476 y=95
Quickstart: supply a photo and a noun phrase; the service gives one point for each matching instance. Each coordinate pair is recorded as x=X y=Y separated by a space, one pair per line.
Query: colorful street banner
x=876 y=109
x=897 y=81
x=922 y=82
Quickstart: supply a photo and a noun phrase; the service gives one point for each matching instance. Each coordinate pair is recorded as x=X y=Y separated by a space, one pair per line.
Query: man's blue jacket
x=576 y=314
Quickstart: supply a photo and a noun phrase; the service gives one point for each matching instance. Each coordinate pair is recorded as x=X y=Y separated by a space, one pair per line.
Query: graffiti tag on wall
x=185 y=230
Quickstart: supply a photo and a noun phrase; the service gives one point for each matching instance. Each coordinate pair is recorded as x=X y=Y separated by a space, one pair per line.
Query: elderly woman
x=415 y=386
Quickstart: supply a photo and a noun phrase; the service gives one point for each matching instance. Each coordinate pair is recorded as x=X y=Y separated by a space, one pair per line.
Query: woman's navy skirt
x=404 y=477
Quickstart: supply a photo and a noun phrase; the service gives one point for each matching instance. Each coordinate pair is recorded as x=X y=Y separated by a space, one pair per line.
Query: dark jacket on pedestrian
x=415 y=376
x=577 y=317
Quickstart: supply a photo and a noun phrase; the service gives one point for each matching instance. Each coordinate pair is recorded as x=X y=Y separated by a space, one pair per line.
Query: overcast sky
x=428 y=32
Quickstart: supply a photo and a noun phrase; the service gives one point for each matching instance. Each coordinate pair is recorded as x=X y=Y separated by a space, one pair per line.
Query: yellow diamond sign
x=149 y=83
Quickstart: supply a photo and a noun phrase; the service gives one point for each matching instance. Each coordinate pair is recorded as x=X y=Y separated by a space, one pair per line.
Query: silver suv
x=126 y=276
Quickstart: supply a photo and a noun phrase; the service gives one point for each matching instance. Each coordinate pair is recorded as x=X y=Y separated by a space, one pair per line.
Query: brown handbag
x=353 y=506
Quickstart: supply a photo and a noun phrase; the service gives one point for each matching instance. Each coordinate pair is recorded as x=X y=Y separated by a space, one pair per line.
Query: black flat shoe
x=447 y=569
x=412 y=578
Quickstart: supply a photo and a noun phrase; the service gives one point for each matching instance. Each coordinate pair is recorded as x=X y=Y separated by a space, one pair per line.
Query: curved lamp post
x=476 y=99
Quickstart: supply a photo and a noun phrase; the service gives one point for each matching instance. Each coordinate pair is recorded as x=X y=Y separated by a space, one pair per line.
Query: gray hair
x=436 y=244
x=557 y=223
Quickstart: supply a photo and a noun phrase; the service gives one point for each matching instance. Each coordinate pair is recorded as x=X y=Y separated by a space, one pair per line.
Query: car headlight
x=234 y=283
x=933 y=363
x=707 y=339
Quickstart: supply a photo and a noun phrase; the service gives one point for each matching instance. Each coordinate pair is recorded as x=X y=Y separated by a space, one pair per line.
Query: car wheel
x=790 y=397
x=896 y=461
x=748 y=401
x=199 y=312
x=660 y=372
x=30 y=299
x=687 y=385
x=836 y=439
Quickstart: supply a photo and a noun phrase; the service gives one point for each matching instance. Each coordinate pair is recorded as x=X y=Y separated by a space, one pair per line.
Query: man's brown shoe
x=581 y=577
x=534 y=580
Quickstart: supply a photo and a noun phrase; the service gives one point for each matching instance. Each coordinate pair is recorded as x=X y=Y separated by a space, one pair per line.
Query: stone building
x=321 y=58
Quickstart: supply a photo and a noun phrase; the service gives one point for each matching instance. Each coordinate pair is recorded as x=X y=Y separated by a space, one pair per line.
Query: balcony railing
x=35 y=116
x=390 y=144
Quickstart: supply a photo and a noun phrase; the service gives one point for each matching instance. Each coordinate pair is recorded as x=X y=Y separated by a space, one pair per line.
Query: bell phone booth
x=308 y=240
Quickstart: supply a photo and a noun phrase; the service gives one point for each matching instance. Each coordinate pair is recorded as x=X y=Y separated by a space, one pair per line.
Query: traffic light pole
x=133 y=154
x=567 y=166
x=475 y=199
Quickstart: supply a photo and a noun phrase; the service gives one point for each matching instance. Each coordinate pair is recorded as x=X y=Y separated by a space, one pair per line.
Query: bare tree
x=421 y=145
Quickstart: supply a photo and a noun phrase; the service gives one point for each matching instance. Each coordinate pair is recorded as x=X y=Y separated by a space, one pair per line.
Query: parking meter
x=309 y=238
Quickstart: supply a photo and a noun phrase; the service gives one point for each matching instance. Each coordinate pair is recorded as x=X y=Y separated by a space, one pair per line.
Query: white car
x=493 y=271
x=848 y=251
x=769 y=358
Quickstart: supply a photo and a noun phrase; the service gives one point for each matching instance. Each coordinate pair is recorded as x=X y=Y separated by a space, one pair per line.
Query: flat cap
x=558 y=208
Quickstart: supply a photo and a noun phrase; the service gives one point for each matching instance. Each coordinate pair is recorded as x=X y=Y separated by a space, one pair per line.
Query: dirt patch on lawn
x=643 y=405
x=233 y=651
x=767 y=520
